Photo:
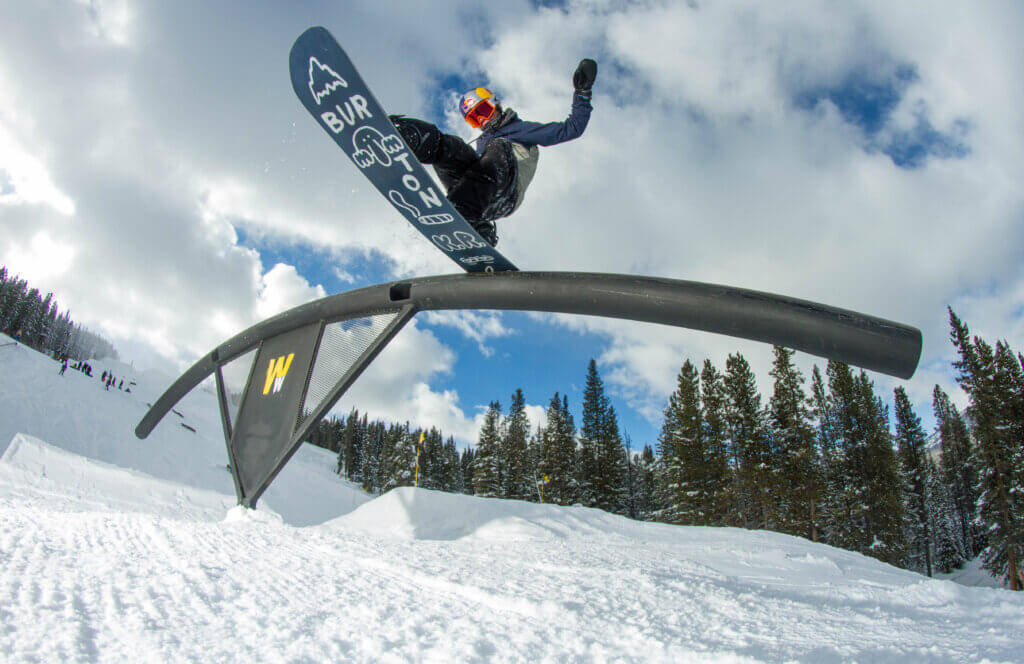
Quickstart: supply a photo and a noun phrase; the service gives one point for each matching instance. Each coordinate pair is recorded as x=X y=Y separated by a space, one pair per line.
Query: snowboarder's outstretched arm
x=553 y=133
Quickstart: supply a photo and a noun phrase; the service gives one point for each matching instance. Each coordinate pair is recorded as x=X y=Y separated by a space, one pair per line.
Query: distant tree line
x=35 y=320
x=825 y=464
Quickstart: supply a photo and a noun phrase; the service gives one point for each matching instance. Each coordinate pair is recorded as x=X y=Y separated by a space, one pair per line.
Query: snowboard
x=334 y=93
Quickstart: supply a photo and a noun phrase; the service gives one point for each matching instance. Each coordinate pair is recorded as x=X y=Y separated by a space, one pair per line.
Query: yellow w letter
x=276 y=372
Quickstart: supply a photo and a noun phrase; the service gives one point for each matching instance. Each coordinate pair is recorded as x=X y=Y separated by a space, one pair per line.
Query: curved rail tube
x=837 y=334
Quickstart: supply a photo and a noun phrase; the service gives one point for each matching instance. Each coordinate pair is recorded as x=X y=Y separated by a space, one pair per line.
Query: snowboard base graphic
x=334 y=93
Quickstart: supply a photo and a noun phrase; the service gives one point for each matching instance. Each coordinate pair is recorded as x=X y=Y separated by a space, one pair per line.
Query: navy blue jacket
x=541 y=133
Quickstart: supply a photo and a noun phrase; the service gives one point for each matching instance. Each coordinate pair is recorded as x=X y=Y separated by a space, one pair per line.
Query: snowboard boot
x=449 y=154
x=421 y=137
x=487 y=231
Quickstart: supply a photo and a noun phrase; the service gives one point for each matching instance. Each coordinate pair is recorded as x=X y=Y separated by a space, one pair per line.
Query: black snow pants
x=478 y=186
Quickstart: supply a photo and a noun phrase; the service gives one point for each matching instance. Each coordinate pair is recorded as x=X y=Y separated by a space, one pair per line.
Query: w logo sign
x=276 y=373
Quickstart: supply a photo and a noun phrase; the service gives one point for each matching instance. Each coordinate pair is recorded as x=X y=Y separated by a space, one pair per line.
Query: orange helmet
x=478 y=106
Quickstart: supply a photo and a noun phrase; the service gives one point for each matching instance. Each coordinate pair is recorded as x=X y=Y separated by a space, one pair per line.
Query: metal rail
x=838 y=334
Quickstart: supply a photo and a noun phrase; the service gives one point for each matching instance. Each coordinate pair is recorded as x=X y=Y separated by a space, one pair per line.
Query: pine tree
x=609 y=481
x=353 y=440
x=466 y=465
x=595 y=410
x=516 y=477
x=533 y=457
x=885 y=514
x=448 y=475
x=992 y=379
x=487 y=463
x=950 y=553
x=38 y=325
x=399 y=457
x=910 y=441
x=863 y=508
x=14 y=292
x=799 y=483
x=632 y=487
x=372 y=470
x=646 y=471
x=827 y=436
x=558 y=454
x=24 y=311
x=750 y=443
x=682 y=450
x=956 y=467
x=718 y=496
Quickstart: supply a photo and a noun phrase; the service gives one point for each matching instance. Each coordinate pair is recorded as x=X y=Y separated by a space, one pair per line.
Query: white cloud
x=129 y=170
x=28 y=179
x=43 y=259
x=475 y=325
x=111 y=20
x=284 y=289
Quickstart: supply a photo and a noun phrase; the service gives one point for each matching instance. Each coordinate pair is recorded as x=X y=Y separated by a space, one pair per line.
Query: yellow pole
x=416 y=480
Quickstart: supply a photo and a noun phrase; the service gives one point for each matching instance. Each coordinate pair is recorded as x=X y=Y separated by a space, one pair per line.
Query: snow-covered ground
x=116 y=549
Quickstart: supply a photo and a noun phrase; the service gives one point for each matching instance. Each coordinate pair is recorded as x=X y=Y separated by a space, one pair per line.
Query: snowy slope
x=108 y=555
x=75 y=412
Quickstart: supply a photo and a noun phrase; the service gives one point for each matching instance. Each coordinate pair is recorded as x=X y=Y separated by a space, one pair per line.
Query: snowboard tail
x=334 y=93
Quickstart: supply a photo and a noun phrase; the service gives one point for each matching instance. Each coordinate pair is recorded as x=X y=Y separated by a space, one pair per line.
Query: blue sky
x=169 y=188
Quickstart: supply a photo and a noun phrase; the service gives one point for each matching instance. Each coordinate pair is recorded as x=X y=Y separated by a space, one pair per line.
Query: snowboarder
x=489 y=183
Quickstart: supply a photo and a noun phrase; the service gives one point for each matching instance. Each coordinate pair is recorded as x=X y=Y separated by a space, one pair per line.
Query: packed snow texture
x=119 y=549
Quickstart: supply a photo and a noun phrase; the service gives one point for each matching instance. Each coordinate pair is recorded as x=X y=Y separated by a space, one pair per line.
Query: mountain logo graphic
x=276 y=373
x=323 y=80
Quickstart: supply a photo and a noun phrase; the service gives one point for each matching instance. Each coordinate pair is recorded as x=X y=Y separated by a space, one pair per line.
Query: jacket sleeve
x=553 y=133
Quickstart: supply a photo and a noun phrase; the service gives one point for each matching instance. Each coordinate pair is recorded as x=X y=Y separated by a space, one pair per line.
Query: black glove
x=583 y=79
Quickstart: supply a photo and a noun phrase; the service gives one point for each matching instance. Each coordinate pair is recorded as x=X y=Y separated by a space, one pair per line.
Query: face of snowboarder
x=478 y=107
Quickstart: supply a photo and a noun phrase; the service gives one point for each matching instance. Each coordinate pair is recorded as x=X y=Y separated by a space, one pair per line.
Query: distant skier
x=489 y=183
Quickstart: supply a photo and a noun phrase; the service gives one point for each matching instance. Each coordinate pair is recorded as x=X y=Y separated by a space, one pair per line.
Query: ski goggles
x=480 y=112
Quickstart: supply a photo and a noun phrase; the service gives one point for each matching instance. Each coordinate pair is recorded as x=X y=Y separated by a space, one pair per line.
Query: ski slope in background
x=116 y=549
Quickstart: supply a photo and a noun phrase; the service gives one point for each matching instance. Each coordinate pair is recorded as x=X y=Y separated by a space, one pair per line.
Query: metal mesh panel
x=236 y=373
x=342 y=344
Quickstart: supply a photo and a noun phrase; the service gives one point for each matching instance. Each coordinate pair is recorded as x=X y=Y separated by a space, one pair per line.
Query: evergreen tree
x=23 y=312
x=632 y=487
x=533 y=458
x=353 y=446
x=487 y=463
x=682 y=451
x=956 y=467
x=558 y=454
x=718 y=496
x=910 y=442
x=14 y=293
x=516 y=476
x=592 y=428
x=751 y=445
x=950 y=553
x=609 y=481
x=837 y=418
x=372 y=470
x=466 y=465
x=799 y=483
x=992 y=379
x=646 y=466
x=400 y=456
x=41 y=319
x=881 y=479
x=450 y=477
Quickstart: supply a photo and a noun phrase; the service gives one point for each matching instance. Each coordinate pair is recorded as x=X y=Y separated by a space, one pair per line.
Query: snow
x=116 y=549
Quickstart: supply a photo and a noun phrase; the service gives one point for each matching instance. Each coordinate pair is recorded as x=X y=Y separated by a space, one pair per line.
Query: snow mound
x=31 y=466
x=434 y=515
